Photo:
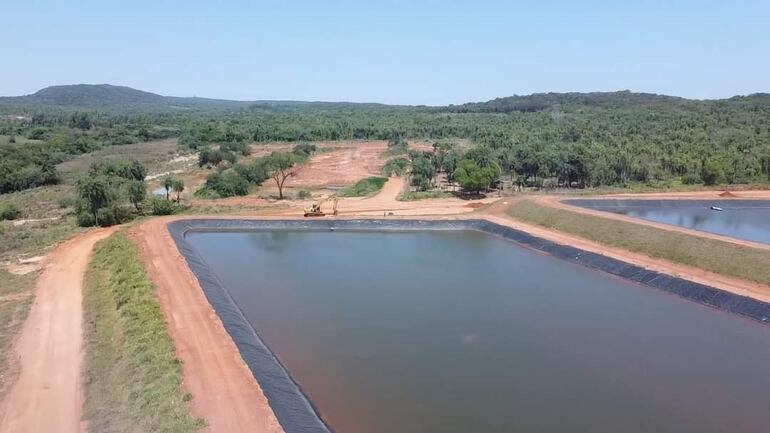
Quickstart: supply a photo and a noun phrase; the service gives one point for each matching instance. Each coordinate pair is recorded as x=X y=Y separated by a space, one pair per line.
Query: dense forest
x=568 y=140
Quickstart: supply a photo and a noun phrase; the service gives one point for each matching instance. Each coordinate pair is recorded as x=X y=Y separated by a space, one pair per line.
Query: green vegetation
x=106 y=190
x=281 y=166
x=713 y=255
x=561 y=140
x=396 y=167
x=365 y=187
x=474 y=178
x=132 y=376
x=239 y=179
x=13 y=311
x=9 y=211
x=423 y=195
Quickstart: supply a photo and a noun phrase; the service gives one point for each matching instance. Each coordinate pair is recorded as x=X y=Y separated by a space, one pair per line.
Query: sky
x=398 y=52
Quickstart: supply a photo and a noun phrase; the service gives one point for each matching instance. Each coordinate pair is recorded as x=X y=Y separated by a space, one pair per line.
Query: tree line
x=552 y=140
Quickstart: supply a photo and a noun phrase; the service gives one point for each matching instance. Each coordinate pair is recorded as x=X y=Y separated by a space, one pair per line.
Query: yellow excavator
x=315 y=209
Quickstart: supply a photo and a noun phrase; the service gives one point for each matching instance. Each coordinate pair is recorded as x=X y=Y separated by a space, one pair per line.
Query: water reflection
x=743 y=219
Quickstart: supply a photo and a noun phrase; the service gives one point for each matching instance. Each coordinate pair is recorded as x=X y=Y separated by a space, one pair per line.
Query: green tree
x=472 y=177
x=177 y=184
x=281 y=166
x=96 y=192
x=137 y=193
x=713 y=172
x=168 y=185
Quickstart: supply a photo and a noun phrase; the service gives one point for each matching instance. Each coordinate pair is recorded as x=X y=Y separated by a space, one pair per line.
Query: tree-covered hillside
x=569 y=140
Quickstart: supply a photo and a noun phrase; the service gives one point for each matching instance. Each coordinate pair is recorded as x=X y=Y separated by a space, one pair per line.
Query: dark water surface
x=462 y=332
x=749 y=220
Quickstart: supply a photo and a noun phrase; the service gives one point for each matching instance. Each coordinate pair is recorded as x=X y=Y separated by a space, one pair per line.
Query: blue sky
x=411 y=52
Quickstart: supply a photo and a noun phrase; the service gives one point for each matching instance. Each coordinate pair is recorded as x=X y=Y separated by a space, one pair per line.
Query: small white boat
x=716 y=208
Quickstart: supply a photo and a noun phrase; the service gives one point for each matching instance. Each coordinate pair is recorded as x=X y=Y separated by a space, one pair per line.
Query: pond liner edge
x=294 y=410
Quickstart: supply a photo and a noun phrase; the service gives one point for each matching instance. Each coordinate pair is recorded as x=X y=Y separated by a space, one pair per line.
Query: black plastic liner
x=292 y=408
x=617 y=205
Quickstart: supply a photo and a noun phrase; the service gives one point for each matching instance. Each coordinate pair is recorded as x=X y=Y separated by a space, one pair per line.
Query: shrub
x=304 y=194
x=161 y=206
x=9 y=212
x=304 y=149
x=395 y=166
x=227 y=183
x=113 y=215
x=236 y=147
x=365 y=187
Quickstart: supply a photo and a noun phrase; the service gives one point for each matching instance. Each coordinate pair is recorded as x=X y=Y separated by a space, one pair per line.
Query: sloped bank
x=293 y=409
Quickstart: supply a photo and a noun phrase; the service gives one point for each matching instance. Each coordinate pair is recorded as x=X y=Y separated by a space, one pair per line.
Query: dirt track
x=224 y=391
x=47 y=396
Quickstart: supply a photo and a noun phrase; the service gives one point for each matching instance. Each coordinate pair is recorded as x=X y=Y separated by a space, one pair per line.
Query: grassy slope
x=713 y=255
x=132 y=376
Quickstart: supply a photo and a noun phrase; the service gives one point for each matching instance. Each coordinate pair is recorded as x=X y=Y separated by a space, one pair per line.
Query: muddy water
x=460 y=332
x=744 y=220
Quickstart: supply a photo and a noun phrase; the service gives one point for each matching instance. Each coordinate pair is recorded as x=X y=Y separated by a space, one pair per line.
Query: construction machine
x=315 y=209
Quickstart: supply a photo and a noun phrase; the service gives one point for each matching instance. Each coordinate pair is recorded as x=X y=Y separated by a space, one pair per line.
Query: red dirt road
x=224 y=391
x=47 y=396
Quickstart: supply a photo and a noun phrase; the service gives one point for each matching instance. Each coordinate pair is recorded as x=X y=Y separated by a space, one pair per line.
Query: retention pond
x=742 y=219
x=460 y=331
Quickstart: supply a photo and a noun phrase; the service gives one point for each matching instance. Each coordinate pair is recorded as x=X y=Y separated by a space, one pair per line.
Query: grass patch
x=422 y=195
x=155 y=155
x=395 y=166
x=33 y=237
x=13 y=311
x=132 y=376
x=365 y=187
x=713 y=255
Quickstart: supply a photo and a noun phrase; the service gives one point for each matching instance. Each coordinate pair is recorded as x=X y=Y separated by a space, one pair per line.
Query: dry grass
x=710 y=254
x=15 y=300
x=155 y=155
x=132 y=376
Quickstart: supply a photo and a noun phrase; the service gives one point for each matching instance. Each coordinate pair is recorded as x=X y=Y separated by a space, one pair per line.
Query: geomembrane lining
x=293 y=409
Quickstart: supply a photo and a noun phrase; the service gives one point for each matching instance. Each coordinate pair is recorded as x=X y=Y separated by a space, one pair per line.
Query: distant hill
x=107 y=96
x=118 y=98
x=543 y=101
x=88 y=95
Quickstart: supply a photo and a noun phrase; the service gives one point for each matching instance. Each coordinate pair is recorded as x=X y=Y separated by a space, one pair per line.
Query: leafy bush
x=9 y=212
x=474 y=178
x=304 y=194
x=113 y=214
x=305 y=149
x=227 y=183
x=395 y=166
x=713 y=172
x=161 y=206
x=236 y=147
